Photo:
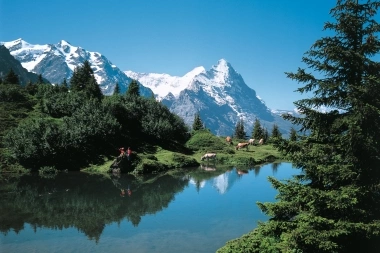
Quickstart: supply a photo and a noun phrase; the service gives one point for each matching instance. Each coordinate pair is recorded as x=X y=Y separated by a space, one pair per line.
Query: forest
x=53 y=126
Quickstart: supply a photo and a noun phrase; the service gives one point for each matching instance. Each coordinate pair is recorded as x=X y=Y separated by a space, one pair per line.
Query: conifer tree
x=333 y=205
x=83 y=79
x=276 y=132
x=40 y=80
x=239 y=130
x=197 y=124
x=257 y=131
x=1 y=80
x=64 y=86
x=133 y=89
x=293 y=134
x=116 y=90
x=11 y=78
x=31 y=88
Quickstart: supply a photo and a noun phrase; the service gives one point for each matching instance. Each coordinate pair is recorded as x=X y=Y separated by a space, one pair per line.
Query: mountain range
x=219 y=94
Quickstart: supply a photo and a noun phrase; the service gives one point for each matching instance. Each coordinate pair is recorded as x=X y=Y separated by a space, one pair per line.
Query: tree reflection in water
x=91 y=202
x=87 y=202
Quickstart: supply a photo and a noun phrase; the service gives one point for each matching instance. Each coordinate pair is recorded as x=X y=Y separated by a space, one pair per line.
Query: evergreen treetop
x=239 y=130
x=133 y=89
x=197 y=124
x=116 y=89
x=257 y=131
x=11 y=78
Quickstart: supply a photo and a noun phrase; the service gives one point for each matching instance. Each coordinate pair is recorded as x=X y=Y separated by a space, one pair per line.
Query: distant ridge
x=7 y=62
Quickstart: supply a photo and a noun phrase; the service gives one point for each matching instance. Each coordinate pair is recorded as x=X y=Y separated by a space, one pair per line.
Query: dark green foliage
x=197 y=124
x=239 y=130
x=77 y=128
x=276 y=132
x=133 y=89
x=293 y=134
x=14 y=106
x=12 y=93
x=57 y=103
x=11 y=78
x=31 y=88
x=34 y=142
x=40 y=79
x=159 y=123
x=116 y=90
x=90 y=130
x=64 y=86
x=257 y=131
x=182 y=161
x=334 y=204
x=83 y=80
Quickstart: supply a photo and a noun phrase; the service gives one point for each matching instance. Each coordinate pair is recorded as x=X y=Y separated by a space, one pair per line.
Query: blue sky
x=261 y=39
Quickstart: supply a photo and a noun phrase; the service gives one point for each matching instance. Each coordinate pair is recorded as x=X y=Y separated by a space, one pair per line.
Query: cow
x=242 y=145
x=229 y=140
x=251 y=141
x=261 y=141
x=208 y=156
x=242 y=172
x=207 y=168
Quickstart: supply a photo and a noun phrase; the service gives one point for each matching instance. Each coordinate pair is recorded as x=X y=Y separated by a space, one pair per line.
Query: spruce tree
x=11 y=78
x=64 y=86
x=133 y=89
x=276 y=132
x=83 y=80
x=239 y=130
x=40 y=80
x=197 y=124
x=257 y=131
x=333 y=205
x=116 y=90
x=293 y=134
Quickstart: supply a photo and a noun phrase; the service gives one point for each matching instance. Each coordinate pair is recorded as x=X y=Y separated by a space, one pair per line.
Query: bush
x=150 y=166
x=182 y=161
x=205 y=141
x=48 y=172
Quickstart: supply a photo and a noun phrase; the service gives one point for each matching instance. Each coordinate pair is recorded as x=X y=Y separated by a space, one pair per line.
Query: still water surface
x=195 y=210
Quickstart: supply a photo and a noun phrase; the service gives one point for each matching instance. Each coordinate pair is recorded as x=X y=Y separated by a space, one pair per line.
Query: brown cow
x=228 y=139
x=242 y=145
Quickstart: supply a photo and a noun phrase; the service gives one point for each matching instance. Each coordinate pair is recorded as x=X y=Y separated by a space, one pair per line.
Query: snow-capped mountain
x=220 y=95
x=163 y=84
x=58 y=61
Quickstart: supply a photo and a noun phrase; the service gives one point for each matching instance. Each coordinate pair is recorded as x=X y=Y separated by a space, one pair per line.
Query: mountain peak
x=221 y=71
x=64 y=43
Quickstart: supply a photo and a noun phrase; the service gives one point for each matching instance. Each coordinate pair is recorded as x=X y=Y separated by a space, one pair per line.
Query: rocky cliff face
x=220 y=95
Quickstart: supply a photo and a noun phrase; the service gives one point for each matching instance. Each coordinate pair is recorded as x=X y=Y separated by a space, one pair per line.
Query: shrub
x=206 y=141
x=182 y=161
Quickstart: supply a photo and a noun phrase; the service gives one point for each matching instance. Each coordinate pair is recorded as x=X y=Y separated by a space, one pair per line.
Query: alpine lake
x=187 y=210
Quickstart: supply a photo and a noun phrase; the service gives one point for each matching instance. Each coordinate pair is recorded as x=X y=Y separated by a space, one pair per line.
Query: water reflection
x=87 y=202
x=90 y=203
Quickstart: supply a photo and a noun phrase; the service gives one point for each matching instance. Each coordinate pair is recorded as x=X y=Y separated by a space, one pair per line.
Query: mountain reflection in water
x=90 y=203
